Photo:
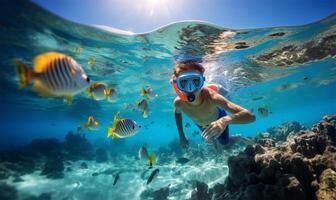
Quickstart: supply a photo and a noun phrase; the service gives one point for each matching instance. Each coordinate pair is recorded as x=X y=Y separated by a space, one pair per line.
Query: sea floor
x=91 y=180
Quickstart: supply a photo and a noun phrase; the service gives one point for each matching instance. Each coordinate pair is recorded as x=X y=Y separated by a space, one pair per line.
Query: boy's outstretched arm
x=239 y=115
x=179 y=124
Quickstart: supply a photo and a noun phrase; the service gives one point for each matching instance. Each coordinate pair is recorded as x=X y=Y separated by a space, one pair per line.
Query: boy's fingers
x=211 y=139
x=213 y=134
x=210 y=134
x=206 y=133
x=206 y=130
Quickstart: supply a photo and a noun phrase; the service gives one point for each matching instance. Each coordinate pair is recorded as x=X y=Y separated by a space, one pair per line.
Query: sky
x=146 y=15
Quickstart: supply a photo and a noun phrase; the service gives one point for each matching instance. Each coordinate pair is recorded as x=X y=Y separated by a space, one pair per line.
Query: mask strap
x=178 y=92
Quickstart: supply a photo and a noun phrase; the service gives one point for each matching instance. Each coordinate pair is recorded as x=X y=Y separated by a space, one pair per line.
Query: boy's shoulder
x=178 y=101
x=211 y=93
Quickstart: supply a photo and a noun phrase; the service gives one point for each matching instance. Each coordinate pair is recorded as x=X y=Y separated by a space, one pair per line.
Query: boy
x=204 y=106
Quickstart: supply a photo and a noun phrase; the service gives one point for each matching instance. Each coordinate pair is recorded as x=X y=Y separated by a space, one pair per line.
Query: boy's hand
x=184 y=142
x=214 y=130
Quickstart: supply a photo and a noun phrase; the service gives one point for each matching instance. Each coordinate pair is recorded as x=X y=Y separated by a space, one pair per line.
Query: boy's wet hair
x=188 y=65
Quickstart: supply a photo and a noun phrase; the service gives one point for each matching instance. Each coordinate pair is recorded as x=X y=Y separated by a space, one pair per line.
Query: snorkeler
x=205 y=106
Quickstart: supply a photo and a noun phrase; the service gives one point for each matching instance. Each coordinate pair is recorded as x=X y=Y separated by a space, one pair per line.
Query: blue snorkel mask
x=190 y=82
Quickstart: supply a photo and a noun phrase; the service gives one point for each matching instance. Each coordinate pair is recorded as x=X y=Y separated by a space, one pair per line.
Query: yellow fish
x=91 y=124
x=151 y=160
x=98 y=91
x=263 y=111
x=54 y=74
x=91 y=61
x=78 y=50
x=122 y=128
x=143 y=155
x=143 y=107
x=110 y=94
x=144 y=92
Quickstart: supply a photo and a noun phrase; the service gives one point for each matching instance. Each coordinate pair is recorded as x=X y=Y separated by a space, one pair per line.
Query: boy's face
x=190 y=81
x=197 y=93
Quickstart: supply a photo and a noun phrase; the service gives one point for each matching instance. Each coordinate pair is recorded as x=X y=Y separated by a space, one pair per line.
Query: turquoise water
x=303 y=91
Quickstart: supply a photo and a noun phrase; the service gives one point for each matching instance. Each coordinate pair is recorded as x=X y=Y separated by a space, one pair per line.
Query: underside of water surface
x=280 y=74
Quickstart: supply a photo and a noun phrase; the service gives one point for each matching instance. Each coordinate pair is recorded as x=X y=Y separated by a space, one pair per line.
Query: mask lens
x=196 y=82
x=183 y=82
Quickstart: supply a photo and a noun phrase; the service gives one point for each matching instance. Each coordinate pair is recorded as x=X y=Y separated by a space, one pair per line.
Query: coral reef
x=160 y=194
x=7 y=192
x=46 y=147
x=84 y=165
x=43 y=196
x=327 y=188
x=49 y=152
x=53 y=168
x=15 y=163
x=201 y=191
x=302 y=167
x=281 y=132
x=77 y=147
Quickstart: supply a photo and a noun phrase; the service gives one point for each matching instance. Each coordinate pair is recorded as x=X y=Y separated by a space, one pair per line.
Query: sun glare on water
x=158 y=7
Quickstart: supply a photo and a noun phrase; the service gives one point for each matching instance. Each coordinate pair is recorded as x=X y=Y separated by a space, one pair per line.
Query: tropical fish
x=145 y=91
x=91 y=61
x=151 y=160
x=97 y=91
x=143 y=107
x=122 y=128
x=95 y=174
x=143 y=155
x=92 y=124
x=116 y=178
x=110 y=94
x=257 y=98
x=78 y=50
x=182 y=160
x=54 y=75
x=263 y=111
x=153 y=175
x=187 y=125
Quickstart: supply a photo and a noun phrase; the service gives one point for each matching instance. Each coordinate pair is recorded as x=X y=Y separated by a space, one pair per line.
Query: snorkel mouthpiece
x=191 y=97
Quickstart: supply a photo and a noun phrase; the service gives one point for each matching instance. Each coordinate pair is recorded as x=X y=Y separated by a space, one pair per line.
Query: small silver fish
x=153 y=175
x=182 y=160
x=143 y=107
x=143 y=153
x=116 y=178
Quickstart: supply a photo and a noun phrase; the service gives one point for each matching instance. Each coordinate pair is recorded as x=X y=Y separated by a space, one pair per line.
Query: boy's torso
x=204 y=113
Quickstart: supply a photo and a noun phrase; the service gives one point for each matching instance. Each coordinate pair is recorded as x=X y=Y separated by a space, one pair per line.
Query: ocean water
x=292 y=73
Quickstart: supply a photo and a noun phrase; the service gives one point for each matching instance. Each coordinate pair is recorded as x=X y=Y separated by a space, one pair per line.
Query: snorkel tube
x=180 y=94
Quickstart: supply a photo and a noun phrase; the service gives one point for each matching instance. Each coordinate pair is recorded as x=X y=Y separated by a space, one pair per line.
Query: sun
x=158 y=7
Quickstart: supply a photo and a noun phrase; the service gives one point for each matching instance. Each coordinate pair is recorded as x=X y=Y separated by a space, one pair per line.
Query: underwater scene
x=88 y=111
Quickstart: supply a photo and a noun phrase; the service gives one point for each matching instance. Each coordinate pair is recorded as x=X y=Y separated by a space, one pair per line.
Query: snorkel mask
x=187 y=83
